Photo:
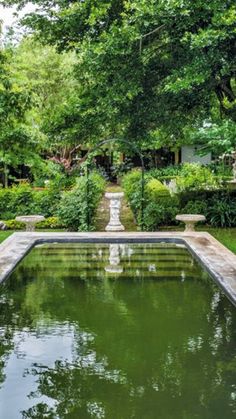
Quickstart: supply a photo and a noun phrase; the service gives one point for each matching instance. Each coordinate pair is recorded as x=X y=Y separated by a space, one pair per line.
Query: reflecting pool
x=115 y=331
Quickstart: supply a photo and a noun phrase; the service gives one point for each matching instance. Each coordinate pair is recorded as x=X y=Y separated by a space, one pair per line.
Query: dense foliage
x=148 y=69
x=24 y=200
x=72 y=209
x=153 y=72
x=78 y=206
x=195 y=176
x=18 y=142
x=219 y=206
x=159 y=207
x=200 y=193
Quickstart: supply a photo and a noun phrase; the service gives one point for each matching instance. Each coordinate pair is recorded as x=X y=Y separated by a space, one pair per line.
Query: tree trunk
x=5 y=171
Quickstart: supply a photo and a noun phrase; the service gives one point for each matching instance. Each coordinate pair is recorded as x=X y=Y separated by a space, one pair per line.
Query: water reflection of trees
x=187 y=354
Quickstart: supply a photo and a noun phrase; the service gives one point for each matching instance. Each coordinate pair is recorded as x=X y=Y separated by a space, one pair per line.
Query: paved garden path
x=102 y=218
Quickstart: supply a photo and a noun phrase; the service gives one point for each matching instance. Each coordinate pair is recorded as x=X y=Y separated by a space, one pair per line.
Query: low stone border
x=212 y=255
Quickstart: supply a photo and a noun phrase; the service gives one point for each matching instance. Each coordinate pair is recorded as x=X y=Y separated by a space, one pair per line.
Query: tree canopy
x=17 y=141
x=147 y=69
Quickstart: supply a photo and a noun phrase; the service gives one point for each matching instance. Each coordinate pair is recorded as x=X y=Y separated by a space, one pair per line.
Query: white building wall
x=188 y=155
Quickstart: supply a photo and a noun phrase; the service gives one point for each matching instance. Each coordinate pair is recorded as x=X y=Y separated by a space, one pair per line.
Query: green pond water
x=115 y=331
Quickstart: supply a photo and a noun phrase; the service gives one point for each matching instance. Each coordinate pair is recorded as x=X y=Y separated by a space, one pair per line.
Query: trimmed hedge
x=159 y=207
x=132 y=185
x=155 y=190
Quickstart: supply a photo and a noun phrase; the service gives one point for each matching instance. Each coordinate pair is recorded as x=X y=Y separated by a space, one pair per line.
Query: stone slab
x=212 y=255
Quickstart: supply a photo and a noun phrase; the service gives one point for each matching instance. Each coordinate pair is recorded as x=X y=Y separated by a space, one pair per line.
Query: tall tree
x=49 y=77
x=18 y=143
x=149 y=64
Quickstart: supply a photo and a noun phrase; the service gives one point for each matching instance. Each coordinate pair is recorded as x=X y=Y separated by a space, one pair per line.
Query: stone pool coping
x=212 y=255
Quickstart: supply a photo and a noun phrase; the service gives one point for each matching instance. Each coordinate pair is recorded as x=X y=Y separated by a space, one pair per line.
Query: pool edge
x=219 y=261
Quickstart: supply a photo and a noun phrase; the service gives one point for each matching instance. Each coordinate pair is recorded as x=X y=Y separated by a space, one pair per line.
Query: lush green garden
x=128 y=74
x=73 y=207
x=99 y=96
x=195 y=190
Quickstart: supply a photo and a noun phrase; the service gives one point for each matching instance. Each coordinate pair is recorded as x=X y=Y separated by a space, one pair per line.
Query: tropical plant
x=222 y=213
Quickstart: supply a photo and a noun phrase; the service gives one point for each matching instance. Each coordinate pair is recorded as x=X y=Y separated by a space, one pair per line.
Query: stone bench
x=190 y=220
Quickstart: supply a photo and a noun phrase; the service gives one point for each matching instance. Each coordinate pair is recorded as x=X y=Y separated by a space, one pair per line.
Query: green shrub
x=14 y=225
x=159 y=206
x=194 y=176
x=218 y=206
x=80 y=204
x=16 y=200
x=24 y=200
x=132 y=185
x=50 y=222
x=170 y=172
x=222 y=213
x=155 y=190
x=195 y=207
x=156 y=215
x=46 y=202
x=201 y=194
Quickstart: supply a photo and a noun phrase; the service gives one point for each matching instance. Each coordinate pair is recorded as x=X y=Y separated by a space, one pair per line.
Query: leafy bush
x=221 y=169
x=132 y=185
x=156 y=215
x=14 y=225
x=159 y=207
x=218 y=206
x=80 y=204
x=194 y=176
x=46 y=201
x=169 y=172
x=24 y=200
x=50 y=222
x=155 y=190
x=222 y=213
x=16 y=200
x=195 y=207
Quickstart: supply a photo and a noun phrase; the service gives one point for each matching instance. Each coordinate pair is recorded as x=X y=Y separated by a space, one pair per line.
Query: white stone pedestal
x=115 y=204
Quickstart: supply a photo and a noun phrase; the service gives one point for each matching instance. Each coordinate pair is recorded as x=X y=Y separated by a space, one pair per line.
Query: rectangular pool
x=115 y=331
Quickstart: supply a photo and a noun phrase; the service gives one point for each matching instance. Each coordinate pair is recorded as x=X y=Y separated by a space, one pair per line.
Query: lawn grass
x=4 y=235
x=227 y=236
